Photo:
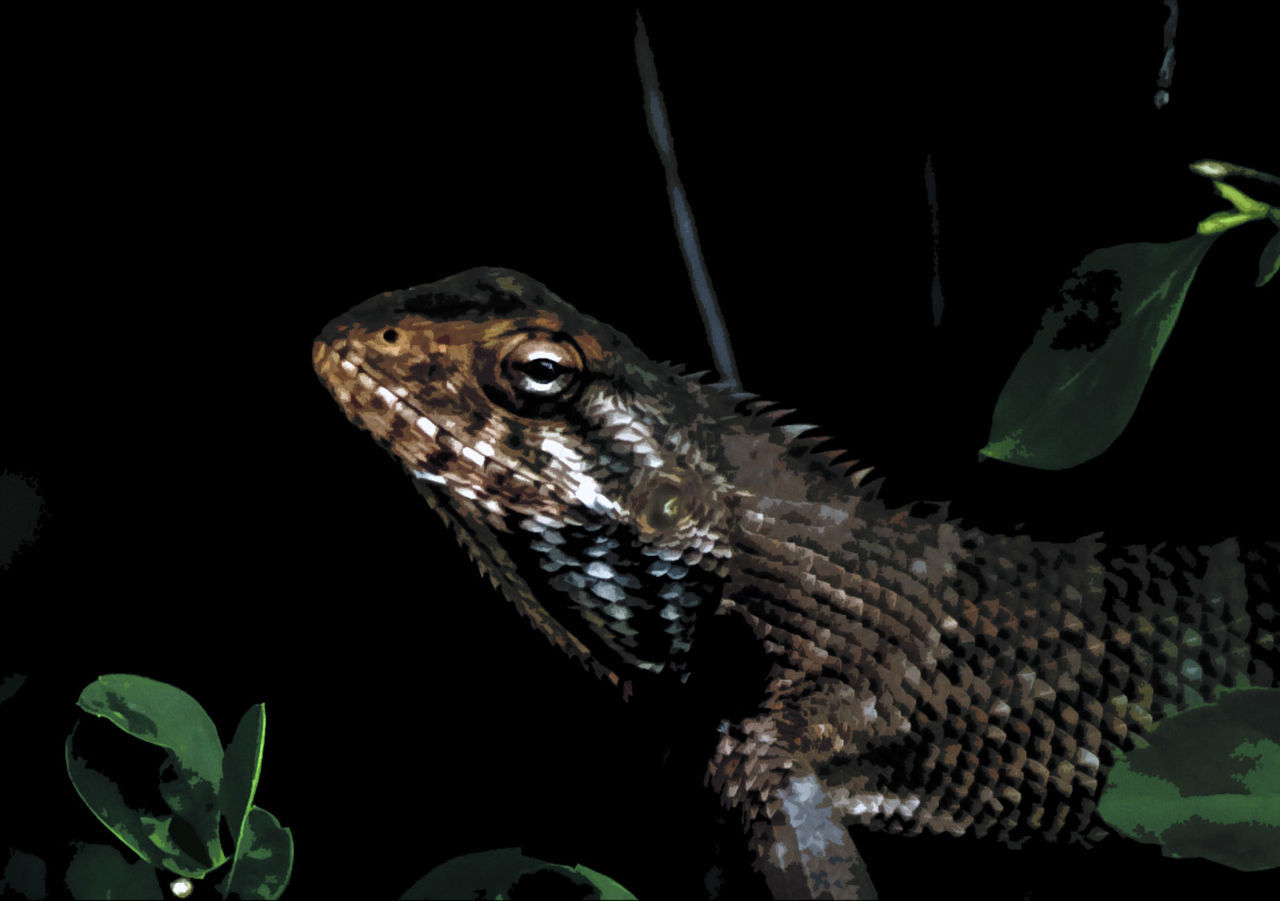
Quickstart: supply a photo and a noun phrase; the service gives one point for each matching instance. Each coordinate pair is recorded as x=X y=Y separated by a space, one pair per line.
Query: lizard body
x=924 y=676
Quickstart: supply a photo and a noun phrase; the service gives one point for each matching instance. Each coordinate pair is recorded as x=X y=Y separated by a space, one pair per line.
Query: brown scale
x=926 y=676
x=1049 y=671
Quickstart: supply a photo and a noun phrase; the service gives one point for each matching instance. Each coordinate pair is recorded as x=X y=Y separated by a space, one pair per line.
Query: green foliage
x=241 y=767
x=1075 y=389
x=508 y=873
x=100 y=871
x=10 y=684
x=199 y=782
x=185 y=841
x=24 y=876
x=1206 y=783
x=1246 y=210
x=1269 y=263
x=263 y=860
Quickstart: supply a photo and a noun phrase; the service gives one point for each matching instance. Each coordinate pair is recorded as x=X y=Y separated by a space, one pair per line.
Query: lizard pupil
x=390 y=336
x=542 y=370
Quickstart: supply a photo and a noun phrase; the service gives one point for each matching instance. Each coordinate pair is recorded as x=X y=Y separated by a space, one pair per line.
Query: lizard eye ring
x=541 y=367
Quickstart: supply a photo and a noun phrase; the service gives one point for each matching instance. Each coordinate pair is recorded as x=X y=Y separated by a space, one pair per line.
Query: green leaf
x=610 y=889
x=1240 y=200
x=263 y=860
x=491 y=874
x=10 y=684
x=241 y=768
x=1216 y=223
x=161 y=714
x=1076 y=387
x=1269 y=263
x=150 y=837
x=24 y=876
x=1246 y=210
x=100 y=871
x=186 y=841
x=1206 y=783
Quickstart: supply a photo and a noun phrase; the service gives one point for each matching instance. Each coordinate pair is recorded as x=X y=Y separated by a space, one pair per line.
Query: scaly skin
x=925 y=676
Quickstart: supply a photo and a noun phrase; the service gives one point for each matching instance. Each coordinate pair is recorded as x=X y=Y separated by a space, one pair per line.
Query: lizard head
x=580 y=475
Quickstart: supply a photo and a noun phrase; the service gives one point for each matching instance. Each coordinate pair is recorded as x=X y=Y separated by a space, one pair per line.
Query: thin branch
x=1164 y=78
x=931 y=189
x=687 y=234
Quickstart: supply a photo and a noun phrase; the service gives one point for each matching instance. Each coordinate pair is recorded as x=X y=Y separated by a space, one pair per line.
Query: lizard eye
x=542 y=372
x=543 y=367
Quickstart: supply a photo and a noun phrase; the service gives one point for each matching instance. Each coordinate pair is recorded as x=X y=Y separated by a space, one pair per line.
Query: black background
x=191 y=199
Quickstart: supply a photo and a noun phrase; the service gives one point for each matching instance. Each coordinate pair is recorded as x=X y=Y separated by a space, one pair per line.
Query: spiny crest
x=801 y=438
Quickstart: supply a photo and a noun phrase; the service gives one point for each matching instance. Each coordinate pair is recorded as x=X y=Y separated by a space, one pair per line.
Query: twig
x=1164 y=78
x=931 y=189
x=656 y=115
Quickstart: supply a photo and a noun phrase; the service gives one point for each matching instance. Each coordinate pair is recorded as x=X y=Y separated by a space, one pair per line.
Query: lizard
x=922 y=675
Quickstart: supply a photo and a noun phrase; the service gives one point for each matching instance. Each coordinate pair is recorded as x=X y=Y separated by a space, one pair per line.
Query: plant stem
x=686 y=232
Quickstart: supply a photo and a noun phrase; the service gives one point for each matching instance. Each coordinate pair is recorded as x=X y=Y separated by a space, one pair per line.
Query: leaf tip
x=1208 y=168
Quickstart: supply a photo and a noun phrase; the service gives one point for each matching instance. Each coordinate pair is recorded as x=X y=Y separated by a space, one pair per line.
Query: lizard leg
x=799 y=843
x=804 y=850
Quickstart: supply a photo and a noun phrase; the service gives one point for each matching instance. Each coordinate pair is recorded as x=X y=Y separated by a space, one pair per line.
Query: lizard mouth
x=417 y=439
